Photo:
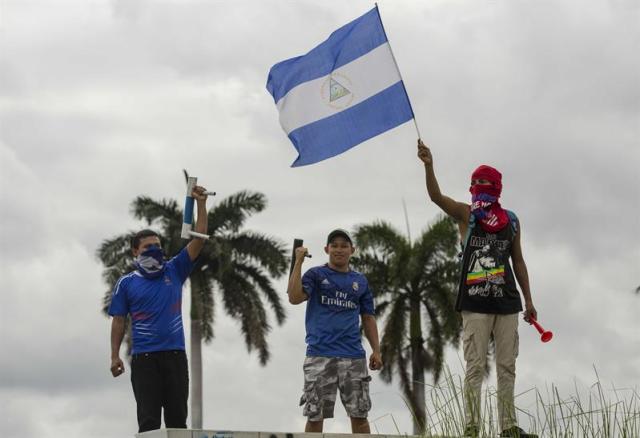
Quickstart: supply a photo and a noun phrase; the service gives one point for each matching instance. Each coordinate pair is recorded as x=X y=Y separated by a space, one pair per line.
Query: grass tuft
x=594 y=411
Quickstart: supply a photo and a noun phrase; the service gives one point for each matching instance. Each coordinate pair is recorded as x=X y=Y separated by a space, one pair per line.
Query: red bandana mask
x=484 y=200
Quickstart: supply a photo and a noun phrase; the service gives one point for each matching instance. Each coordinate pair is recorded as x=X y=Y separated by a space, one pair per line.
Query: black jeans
x=160 y=380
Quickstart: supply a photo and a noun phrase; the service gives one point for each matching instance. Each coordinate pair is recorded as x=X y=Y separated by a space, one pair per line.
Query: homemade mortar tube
x=187 y=212
x=297 y=243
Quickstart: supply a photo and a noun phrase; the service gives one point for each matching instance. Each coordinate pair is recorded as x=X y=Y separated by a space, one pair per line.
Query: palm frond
x=264 y=284
x=393 y=337
x=381 y=308
x=435 y=343
x=437 y=243
x=377 y=271
x=111 y=251
x=202 y=303
x=266 y=251
x=231 y=213
x=165 y=211
x=380 y=237
x=406 y=386
x=242 y=302
x=381 y=242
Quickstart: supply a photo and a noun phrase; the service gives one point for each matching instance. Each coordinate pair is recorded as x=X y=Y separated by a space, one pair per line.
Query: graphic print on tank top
x=485 y=276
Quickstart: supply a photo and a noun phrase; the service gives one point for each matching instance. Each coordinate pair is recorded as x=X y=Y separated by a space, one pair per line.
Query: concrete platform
x=211 y=433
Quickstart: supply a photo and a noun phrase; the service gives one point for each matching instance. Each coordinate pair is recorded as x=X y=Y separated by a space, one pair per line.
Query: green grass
x=592 y=411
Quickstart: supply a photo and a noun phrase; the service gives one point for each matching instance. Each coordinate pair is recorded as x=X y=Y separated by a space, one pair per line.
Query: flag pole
x=398 y=68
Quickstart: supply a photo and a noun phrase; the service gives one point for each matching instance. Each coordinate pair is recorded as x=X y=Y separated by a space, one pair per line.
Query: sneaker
x=516 y=432
x=471 y=431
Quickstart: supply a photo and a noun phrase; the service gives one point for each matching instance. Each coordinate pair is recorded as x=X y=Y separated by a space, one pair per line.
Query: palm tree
x=414 y=284
x=238 y=265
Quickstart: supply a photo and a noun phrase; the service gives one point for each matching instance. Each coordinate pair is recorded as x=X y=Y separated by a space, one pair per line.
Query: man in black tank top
x=488 y=297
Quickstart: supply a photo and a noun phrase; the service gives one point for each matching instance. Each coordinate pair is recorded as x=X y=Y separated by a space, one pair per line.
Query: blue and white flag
x=343 y=92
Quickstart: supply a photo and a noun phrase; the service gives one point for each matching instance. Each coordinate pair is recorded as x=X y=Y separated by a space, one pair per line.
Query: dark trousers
x=160 y=380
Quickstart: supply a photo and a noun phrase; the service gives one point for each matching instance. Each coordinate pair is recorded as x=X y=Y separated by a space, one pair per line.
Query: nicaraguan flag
x=343 y=92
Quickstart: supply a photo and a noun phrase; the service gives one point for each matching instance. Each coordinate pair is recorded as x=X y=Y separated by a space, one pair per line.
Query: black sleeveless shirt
x=487 y=284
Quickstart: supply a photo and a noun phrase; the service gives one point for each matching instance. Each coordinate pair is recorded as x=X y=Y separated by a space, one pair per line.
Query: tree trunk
x=196 y=361
x=418 y=404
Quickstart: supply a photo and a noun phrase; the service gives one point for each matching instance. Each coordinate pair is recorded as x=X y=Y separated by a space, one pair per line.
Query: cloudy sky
x=101 y=101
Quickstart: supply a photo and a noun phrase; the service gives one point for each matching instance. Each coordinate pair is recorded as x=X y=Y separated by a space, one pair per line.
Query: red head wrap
x=484 y=201
x=491 y=175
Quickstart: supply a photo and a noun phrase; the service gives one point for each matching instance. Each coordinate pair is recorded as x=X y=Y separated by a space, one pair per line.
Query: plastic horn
x=297 y=243
x=545 y=334
x=187 y=216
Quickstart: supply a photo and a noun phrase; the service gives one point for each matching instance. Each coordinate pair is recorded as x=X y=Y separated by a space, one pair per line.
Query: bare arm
x=117 y=335
x=522 y=275
x=295 y=291
x=457 y=210
x=195 y=245
x=371 y=333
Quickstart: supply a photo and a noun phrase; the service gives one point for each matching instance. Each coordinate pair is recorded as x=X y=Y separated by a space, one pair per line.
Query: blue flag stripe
x=351 y=41
x=333 y=135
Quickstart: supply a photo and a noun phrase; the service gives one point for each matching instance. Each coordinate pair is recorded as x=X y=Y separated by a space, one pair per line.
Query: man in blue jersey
x=337 y=298
x=152 y=296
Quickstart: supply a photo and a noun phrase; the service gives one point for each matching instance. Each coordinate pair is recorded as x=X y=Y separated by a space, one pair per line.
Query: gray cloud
x=103 y=101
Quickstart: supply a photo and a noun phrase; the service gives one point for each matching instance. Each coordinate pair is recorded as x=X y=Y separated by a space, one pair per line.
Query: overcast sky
x=101 y=101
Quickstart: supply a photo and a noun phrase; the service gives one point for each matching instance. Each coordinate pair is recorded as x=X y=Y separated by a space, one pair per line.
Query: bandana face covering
x=484 y=200
x=150 y=263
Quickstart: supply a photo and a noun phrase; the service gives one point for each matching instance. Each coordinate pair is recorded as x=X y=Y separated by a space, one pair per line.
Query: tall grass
x=593 y=411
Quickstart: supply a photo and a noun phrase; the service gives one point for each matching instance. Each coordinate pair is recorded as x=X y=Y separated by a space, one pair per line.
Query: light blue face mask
x=151 y=262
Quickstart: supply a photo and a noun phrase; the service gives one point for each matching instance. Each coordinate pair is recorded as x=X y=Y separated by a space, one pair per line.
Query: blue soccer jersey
x=336 y=301
x=155 y=306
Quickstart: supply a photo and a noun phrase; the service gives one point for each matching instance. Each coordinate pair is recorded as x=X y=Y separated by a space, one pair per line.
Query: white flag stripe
x=364 y=77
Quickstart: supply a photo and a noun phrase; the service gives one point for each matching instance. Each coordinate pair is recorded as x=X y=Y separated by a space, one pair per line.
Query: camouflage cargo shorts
x=324 y=375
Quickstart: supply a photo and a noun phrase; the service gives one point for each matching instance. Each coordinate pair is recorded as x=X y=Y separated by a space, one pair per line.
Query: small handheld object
x=187 y=216
x=297 y=243
x=546 y=335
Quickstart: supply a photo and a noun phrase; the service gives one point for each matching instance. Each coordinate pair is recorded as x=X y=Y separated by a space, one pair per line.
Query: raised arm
x=457 y=210
x=522 y=275
x=295 y=291
x=117 y=335
x=195 y=245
